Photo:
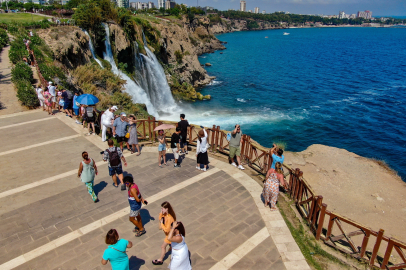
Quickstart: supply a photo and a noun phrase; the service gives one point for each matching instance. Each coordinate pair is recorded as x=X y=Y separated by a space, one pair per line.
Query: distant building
x=243 y=6
x=365 y=14
x=341 y=14
x=170 y=4
x=263 y=12
x=37 y=2
x=141 y=5
x=133 y=5
x=151 y=5
x=353 y=16
x=123 y=3
x=256 y=10
x=161 y=4
x=250 y=11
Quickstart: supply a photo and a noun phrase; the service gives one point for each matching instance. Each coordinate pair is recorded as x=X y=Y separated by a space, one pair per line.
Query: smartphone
x=145 y=202
x=102 y=152
x=163 y=220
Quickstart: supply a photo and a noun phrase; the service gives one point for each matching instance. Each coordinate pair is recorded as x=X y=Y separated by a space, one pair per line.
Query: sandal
x=156 y=262
x=160 y=165
x=139 y=233
x=274 y=209
x=138 y=154
x=166 y=164
x=135 y=230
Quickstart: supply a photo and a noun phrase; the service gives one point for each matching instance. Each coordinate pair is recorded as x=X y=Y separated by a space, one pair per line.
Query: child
x=161 y=148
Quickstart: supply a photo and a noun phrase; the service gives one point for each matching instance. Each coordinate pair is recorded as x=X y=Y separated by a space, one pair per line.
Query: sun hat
x=114 y=108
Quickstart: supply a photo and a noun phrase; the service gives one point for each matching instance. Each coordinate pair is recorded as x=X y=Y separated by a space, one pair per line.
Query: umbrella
x=87 y=99
x=164 y=126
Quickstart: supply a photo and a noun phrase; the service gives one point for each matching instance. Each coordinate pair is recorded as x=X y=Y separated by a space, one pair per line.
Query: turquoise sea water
x=342 y=87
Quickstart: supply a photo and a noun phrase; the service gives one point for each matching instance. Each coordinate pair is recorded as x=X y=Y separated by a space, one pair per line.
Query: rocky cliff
x=226 y=26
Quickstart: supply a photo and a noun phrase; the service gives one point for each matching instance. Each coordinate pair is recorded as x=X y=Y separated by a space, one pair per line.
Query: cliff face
x=69 y=45
x=182 y=44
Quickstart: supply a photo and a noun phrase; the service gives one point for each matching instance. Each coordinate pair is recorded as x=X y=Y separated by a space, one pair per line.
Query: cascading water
x=152 y=78
x=92 y=49
x=137 y=93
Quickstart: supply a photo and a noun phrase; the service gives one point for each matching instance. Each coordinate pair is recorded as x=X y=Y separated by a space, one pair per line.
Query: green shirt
x=235 y=139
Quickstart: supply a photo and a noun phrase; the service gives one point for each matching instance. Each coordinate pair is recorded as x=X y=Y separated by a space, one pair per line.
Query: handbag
x=128 y=133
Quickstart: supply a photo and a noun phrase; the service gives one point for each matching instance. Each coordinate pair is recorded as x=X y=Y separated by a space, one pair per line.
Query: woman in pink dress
x=274 y=178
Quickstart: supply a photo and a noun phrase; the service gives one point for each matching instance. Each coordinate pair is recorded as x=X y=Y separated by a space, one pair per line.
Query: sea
x=341 y=87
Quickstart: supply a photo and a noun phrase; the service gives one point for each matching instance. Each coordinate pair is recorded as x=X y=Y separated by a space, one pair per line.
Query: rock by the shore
x=208 y=65
x=359 y=188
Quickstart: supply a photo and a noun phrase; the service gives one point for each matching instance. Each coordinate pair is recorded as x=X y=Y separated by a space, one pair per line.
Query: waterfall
x=92 y=49
x=152 y=78
x=137 y=94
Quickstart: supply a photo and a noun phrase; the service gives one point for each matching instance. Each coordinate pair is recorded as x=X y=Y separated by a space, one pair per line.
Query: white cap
x=114 y=108
x=123 y=114
x=50 y=82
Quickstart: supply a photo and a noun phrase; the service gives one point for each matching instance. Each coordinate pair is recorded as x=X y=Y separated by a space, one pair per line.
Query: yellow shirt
x=166 y=226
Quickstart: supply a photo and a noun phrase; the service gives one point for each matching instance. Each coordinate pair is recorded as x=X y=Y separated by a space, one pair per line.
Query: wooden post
x=213 y=135
x=190 y=134
x=387 y=254
x=330 y=226
x=221 y=139
x=218 y=137
x=321 y=221
x=316 y=209
x=149 y=129
x=153 y=127
x=364 y=243
x=376 y=247
x=143 y=125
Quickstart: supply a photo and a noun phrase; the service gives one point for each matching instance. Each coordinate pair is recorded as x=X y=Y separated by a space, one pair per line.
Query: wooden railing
x=335 y=230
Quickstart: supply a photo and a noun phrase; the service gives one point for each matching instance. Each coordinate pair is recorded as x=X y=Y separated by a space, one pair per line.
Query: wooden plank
x=400 y=252
x=321 y=221
x=388 y=252
x=364 y=243
x=397 y=266
x=330 y=226
x=376 y=247
x=341 y=236
x=338 y=222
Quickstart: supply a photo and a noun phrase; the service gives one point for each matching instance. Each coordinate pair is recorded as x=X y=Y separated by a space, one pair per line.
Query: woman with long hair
x=201 y=150
x=274 y=178
x=133 y=140
x=136 y=200
x=166 y=218
x=161 y=148
x=116 y=251
x=87 y=172
x=180 y=252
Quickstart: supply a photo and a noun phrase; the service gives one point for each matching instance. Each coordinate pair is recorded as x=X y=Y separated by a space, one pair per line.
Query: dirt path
x=8 y=99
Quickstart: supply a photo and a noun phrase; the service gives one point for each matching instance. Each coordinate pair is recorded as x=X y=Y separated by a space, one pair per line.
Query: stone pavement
x=48 y=220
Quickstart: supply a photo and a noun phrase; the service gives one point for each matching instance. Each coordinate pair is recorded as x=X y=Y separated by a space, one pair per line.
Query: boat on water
x=266 y=37
x=286 y=34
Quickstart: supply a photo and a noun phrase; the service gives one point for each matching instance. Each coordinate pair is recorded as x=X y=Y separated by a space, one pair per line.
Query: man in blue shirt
x=120 y=129
x=277 y=155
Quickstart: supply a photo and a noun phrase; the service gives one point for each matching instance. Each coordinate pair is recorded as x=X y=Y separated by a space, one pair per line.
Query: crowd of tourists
x=124 y=130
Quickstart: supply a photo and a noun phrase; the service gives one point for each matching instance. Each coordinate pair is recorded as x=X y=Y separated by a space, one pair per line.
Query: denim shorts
x=161 y=147
x=76 y=111
x=115 y=170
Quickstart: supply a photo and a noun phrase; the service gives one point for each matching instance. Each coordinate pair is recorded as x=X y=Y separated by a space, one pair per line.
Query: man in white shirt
x=51 y=90
x=107 y=121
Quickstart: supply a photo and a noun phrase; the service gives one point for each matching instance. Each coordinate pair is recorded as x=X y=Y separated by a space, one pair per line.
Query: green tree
x=88 y=15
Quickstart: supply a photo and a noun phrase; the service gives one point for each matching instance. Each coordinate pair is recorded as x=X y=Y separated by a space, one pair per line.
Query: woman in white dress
x=180 y=252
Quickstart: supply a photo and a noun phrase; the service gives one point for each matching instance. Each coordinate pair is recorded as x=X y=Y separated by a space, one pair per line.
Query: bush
x=21 y=72
x=26 y=94
x=3 y=38
x=50 y=72
x=179 y=57
x=17 y=51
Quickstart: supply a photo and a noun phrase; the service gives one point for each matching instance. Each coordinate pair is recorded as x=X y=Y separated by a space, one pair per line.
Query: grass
x=20 y=17
x=315 y=256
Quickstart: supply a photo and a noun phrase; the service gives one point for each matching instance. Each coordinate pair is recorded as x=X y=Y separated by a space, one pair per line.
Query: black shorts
x=121 y=139
x=183 y=138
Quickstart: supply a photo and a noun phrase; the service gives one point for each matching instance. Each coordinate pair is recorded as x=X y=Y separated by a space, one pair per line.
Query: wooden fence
x=335 y=230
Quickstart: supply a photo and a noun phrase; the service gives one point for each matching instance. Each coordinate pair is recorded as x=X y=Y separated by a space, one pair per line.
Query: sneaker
x=241 y=167
x=186 y=152
x=97 y=200
x=122 y=187
x=235 y=165
x=204 y=169
x=94 y=133
x=198 y=168
x=176 y=165
x=77 y=122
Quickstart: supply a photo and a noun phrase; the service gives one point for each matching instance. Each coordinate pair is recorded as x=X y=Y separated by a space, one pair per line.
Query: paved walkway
x=48 y=220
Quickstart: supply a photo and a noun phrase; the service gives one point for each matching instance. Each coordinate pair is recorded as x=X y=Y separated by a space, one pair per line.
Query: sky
x=327 y=7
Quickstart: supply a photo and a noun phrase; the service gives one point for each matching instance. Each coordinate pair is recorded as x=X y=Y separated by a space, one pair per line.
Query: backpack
x=89 y=112
x=114 y=158
x=70 y=95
